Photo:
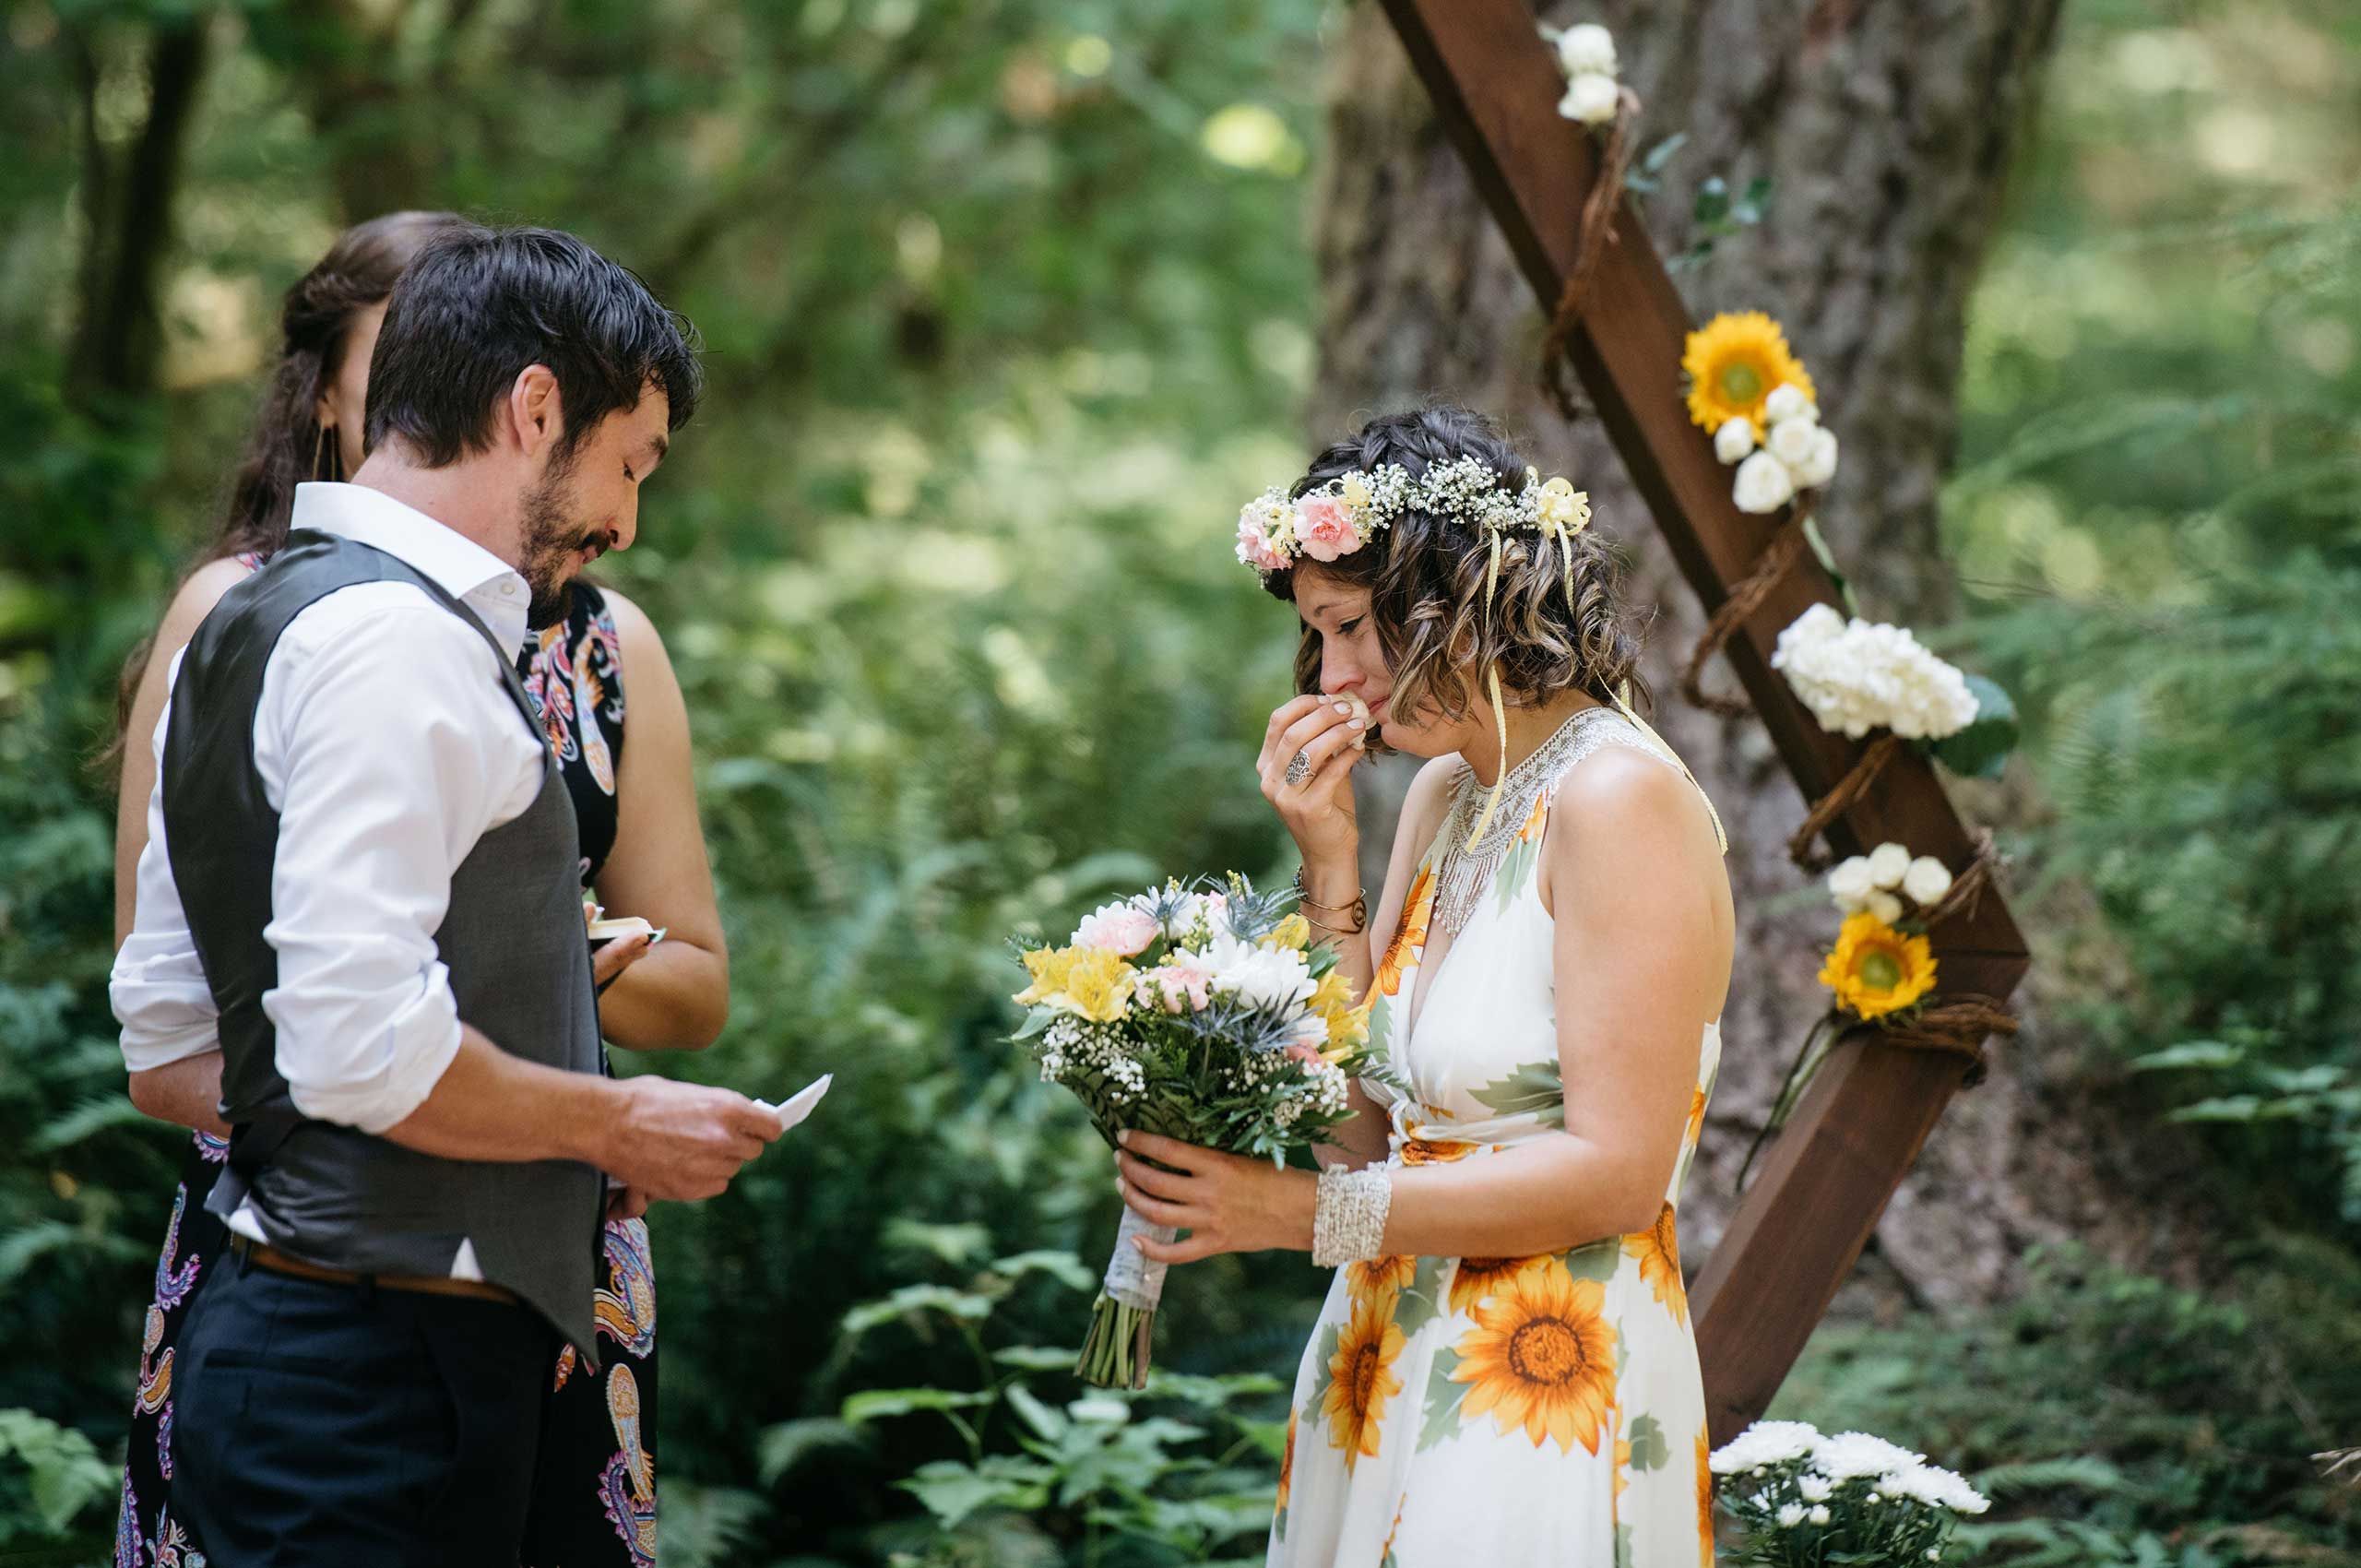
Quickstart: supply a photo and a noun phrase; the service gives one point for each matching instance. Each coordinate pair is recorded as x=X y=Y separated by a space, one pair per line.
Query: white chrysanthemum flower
x=1791 y=1515
x=1787 y=402
x=1851 y=1454
x=1815 y=1487
x=1888 y=864
x=1915 y=1483
x=1859 y=676
x=1791 y=442
x=1884 y=904
x=1587 y=47
x=1763 y=484
x=1950 y=1489
x=1818 y=465
x=1258 y=975
x=1850 y=883
x=1764 y=1443
x=1927 y=881
x=1734 y=440
x=1590 y=99
x=1819 y=1515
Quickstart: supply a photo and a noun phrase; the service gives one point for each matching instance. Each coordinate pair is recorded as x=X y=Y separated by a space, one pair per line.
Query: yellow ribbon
x=1499 y=709
x=1622 y=693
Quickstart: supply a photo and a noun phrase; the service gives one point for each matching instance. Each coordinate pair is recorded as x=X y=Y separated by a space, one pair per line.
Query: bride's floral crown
x=1339 y=516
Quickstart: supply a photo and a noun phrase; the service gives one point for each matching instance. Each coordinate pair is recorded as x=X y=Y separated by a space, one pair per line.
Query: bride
x=1503 y=1373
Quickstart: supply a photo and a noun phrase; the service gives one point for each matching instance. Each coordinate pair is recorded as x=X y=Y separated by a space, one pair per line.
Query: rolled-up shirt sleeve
x=387 y=778
x=158 y=988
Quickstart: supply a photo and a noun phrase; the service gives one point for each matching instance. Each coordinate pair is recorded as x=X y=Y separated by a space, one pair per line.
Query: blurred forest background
x=1008 y=303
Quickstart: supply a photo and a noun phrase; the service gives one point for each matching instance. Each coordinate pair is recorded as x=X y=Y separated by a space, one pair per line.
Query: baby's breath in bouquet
x=1808 y=1501
x=1202 y=1013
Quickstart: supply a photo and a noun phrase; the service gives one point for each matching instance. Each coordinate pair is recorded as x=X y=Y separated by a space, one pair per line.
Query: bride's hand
x=1227 y=1202
x=1318 y=807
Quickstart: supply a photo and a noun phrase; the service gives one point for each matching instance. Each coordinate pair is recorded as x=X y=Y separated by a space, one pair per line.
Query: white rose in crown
x=1734 y=441
x=1763 y=484
x=1590 y=99
x=1587 y=48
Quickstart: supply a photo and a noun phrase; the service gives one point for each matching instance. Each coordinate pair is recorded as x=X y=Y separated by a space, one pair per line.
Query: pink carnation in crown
x=1327 y=528
x=1254 y=545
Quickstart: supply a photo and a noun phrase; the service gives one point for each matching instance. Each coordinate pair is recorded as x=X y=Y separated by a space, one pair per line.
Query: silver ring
x=1299 y=768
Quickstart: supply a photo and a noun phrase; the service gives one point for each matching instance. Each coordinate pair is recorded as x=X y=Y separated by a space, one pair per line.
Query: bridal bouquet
x=1808 y=1500
x=1202 y=1013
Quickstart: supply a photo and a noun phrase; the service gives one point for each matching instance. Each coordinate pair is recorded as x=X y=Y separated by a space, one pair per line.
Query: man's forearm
x=488 y=1105
x=187 y=1091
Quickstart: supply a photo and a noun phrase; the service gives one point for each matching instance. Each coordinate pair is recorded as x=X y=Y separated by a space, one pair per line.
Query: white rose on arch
x=1763 y=484
x=1592 y=99
x=1735 y=440
x=1787 y=402
x=1587 y=48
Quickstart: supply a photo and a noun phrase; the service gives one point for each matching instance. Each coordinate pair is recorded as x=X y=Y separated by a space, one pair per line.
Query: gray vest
x=512 y=939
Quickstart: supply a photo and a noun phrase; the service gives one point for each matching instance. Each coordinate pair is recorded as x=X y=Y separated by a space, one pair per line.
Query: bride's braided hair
x=1425 y=577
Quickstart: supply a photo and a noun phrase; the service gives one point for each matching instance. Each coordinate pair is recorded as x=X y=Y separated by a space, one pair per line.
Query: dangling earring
x=327 y=457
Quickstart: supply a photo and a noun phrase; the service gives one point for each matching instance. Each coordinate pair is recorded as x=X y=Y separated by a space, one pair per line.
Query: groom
x=363 y=878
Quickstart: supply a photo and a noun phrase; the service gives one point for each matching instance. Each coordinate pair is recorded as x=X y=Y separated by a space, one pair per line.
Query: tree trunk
x=1886 y=133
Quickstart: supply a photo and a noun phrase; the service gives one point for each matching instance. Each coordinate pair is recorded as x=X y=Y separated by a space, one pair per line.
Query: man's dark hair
x=479 y=305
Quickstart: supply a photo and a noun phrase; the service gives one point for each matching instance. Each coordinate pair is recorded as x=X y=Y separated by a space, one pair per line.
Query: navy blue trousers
x=341 y=1424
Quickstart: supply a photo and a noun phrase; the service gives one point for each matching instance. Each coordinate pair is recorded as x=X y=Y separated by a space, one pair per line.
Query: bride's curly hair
x=1425 y=577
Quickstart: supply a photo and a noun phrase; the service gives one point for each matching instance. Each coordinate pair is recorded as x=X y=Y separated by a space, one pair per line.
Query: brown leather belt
x=423 y=1284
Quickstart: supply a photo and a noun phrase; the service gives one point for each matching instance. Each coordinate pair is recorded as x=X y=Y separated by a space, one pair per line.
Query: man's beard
x=553 y=536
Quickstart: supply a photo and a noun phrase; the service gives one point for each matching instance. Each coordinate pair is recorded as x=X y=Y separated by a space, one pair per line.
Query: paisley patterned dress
x=1511 y=1412
x=594 y=1499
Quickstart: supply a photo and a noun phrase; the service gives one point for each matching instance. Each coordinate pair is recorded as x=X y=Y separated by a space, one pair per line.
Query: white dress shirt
x=389 y=744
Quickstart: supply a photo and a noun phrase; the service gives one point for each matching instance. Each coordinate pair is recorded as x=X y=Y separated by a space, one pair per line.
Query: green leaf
x=1649 y=1449
x=877 y=1404
x=1063 y=1266
x=952 y=1492
x=1535 y=1088
x=912 y=1299
x=788 y=1444
x=1443 y=1398
x=2190 y=1054
x=1981 y=750
x=2225 y=1108
x=1713 y=201
x=1051 y=1424
x=954 y=1244
x=1595 y=1260
x=1034 y=1358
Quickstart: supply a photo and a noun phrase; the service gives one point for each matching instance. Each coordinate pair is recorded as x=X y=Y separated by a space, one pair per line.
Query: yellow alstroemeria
x=1087 y=982
x=1332 y=1001
x=1561 y=508
x=1293 y=933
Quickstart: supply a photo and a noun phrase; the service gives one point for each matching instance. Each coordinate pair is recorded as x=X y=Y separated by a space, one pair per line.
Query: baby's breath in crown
x=1339 y=516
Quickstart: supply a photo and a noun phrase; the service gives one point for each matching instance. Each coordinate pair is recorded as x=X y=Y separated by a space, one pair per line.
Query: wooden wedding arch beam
x=1821 y=1185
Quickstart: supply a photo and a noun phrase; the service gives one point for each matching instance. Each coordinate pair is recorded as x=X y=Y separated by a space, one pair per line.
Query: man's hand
x=683 y=1141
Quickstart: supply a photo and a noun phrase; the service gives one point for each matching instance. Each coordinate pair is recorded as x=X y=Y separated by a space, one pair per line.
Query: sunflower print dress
x=1507 y=1412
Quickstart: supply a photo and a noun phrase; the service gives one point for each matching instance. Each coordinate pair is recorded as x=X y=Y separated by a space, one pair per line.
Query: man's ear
x=536 y=413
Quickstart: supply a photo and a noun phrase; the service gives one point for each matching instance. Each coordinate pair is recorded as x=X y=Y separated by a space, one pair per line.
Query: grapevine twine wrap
x=1746 y=595
x=1595 y=233
x=1803 y=847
